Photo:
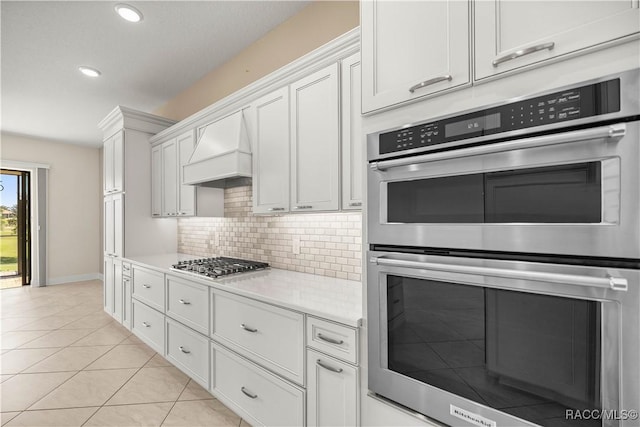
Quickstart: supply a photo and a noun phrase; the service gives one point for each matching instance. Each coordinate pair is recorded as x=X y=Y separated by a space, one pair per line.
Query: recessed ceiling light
x=88 y=71
x=128 y=12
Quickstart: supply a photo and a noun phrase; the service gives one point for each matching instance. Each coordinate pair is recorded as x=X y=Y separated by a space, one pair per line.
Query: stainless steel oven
x=489 y=342
x=503 y=287
x=556 y=172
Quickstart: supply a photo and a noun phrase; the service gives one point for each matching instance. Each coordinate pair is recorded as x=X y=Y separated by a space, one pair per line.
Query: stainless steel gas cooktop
x=218 y=266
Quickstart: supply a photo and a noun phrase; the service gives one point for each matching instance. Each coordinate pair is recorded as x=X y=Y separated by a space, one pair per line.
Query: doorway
x=15 y=227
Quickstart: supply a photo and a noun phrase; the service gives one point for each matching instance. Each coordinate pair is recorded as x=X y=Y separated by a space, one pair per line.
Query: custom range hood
x=222 y=157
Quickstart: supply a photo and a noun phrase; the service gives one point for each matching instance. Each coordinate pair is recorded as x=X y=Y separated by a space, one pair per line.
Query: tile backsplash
x=327 y=244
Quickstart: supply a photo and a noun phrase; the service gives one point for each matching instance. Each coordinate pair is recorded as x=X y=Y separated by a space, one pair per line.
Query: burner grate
x=219 y=266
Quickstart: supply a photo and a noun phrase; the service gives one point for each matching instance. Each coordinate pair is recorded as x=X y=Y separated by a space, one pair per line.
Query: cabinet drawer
x=189 y=351
x=270 y=336
x=257 y=395
x=188 y=303
x=148 y=287
x=148 y=325
x=337 y=340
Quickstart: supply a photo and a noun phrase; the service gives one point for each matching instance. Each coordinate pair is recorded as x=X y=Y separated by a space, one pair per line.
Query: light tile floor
x=64 y=362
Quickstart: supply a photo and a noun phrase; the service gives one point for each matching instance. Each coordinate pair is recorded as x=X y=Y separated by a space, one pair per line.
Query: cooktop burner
x=218 y=266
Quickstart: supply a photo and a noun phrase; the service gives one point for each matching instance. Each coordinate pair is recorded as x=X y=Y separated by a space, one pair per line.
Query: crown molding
x=335 y=50
x=127 y=118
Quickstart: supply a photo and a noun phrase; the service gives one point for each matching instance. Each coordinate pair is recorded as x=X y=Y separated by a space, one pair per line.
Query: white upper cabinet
x=113 y=157
x=514 y=34
x=352 y=138
x=169 y=179
x=315 y=142
x=411 y=49
x=270 y=136
x=156 y=181
x=186 y=193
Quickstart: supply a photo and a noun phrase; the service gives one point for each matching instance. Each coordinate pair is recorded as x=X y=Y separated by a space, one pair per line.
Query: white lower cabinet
x=271 y=336
x=148 y=325
x=188 y=303
x=257 y=395
x=189 y=351
x=126 y=307
x=332 y=391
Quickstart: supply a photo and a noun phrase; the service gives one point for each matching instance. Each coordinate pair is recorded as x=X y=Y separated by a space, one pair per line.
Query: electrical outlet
x=296 y=245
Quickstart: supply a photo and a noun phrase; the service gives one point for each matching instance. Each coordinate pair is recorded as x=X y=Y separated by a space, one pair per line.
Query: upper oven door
x=569 y=193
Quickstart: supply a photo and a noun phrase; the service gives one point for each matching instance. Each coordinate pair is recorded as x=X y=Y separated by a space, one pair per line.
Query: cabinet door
x=156 y=181
x=169 y=179
x=411 y=49
x=510 y=35
x=118 y=162
x=186 y=193
x=109 y=221
x=107 y=165
x=271 y=153
x=352 y=138
x=126 y=307
x=118 y=224
x=108 y=284
x=118 y=291
x=315 y=142
x=332 y=391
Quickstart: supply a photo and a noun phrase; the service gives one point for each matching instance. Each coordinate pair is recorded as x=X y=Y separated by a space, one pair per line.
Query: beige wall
x=315 y=25
x=74 y=202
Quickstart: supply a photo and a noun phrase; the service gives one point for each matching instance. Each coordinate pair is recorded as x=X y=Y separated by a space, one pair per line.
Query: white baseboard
x=76 y=278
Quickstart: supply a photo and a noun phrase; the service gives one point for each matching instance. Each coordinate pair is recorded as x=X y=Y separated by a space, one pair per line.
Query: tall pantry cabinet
x=129 y=230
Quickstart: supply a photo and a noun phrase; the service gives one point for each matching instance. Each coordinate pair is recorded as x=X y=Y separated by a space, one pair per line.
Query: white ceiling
x=143 y=65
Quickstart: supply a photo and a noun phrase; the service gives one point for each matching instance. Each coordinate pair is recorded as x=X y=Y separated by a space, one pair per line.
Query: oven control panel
x=586 y=101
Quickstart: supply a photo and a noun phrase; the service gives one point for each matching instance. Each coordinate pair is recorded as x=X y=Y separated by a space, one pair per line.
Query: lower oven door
x=504 y=343
x=574 y=192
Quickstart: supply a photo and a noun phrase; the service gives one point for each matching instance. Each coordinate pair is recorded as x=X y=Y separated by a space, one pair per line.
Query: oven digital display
x=463 y=127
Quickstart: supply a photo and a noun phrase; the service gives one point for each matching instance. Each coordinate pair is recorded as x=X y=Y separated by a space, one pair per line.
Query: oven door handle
x=609 y=133
x=608 y=282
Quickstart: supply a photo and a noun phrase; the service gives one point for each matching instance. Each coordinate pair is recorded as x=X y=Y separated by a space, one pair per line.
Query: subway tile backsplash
x=330 y=244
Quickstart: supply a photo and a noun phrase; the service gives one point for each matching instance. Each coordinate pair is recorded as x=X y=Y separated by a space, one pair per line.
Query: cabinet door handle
x=182 y=349
x=430 y=82
x=181 y=301
x=146 y=325
x=330 y=340
x=355 y=204
x=146 y=286
x=248 y=329
x=523 y=52
x=275 y=209
x=248 y=393
x=303 y=207
x=330 y=368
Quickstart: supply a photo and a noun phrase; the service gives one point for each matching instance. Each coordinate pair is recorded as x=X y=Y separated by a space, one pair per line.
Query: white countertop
x=339 y=300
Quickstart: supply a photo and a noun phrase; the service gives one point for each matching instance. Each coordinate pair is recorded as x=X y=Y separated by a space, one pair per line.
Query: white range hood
x=222 y=157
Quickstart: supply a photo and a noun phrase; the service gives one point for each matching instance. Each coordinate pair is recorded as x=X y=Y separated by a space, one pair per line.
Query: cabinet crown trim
x=333 y=51
x=126 y=118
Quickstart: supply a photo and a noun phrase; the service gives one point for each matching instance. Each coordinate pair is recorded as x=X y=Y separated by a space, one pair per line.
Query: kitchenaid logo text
x=601 y=414
x=470 y=417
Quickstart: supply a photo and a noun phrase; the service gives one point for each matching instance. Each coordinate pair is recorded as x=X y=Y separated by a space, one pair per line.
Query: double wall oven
x=504 y=257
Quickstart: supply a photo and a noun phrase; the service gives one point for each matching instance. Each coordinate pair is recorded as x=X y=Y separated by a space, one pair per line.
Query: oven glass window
x=550 y=194
x=529 y=355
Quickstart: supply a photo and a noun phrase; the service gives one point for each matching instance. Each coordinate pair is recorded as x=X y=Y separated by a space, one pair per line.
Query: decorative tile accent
x=330 y=243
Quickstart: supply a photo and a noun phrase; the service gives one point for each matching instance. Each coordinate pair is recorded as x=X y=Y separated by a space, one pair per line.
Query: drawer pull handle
x=275 y=209
x=352 y=204
x=146 y=286
x=303 y=207
x=330 y=340
x=330 y=368
x=181 y=301
x=247 y=393
x=248 y=329
x=146 y=325
x=182 y=349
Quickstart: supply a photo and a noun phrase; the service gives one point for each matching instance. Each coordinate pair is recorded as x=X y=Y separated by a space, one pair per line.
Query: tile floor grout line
x=176 y=401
